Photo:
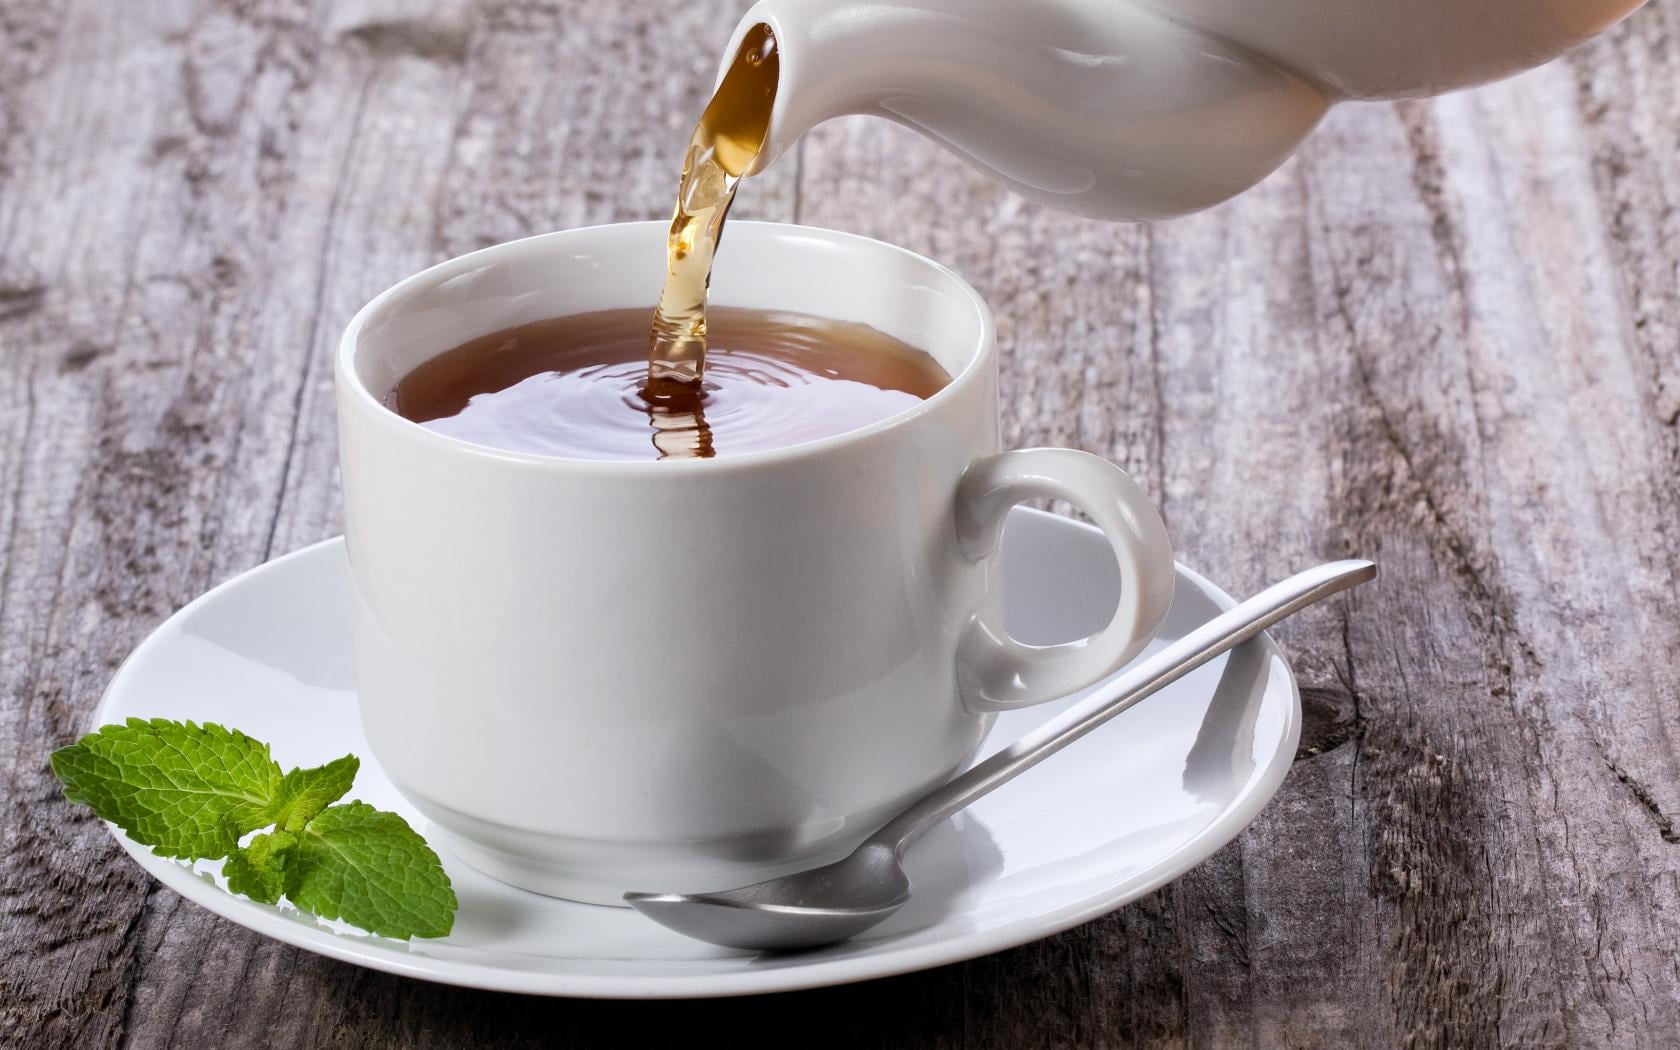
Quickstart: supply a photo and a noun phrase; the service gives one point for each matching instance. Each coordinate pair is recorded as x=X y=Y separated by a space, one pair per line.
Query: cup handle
x=994 y=671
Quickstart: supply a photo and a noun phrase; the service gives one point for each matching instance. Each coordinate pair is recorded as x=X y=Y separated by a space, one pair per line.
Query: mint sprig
x=194 y=791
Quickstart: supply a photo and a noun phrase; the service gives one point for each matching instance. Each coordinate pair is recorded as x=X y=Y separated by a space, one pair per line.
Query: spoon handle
x=1225 y=631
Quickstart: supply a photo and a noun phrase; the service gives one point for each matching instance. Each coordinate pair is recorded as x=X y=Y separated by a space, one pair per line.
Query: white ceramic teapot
x=1138 y=109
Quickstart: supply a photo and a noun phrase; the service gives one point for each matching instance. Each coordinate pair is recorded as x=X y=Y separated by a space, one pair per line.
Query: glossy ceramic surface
x=1138 y=109
x=1117 y=814
x=599 y=676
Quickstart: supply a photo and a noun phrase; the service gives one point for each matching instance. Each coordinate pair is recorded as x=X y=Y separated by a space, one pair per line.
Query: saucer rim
x=387 y=955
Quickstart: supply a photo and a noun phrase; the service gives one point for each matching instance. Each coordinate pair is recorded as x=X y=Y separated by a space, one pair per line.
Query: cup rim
x=350 y=383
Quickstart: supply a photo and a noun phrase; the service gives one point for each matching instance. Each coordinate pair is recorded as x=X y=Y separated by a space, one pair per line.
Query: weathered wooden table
x=1445 y=336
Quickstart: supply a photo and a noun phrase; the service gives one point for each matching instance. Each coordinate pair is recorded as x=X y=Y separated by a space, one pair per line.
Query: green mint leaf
x=370 y=869
x=258 y=870
x=306 y=792
x=193 y=791
x=185 y=790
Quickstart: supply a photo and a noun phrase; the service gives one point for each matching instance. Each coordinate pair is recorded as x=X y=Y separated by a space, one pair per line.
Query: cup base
x=524 y=873
x=602 y=870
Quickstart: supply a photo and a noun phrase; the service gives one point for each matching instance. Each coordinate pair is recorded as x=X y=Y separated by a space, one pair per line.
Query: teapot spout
x=1112 y=110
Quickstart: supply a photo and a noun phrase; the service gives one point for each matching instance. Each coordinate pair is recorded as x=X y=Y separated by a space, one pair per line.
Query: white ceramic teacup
x=598 y=676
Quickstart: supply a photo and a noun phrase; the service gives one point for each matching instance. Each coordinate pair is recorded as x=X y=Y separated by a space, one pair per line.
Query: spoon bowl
x=804 y=910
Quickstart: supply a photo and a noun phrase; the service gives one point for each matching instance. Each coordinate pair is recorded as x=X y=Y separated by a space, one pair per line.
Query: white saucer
x=1118 y=814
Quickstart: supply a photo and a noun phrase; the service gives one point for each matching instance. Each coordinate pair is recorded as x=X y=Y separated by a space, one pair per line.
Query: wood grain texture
x=1446 y=336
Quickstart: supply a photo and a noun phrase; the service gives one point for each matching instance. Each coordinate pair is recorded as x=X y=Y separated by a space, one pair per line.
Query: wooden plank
x=1445 y=336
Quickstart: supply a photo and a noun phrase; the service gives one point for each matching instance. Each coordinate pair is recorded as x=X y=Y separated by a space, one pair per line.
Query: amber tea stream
x=725 y=142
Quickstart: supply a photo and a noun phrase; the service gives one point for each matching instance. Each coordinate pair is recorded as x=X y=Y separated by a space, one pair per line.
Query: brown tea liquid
x=578 y=387
x=727 y=139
